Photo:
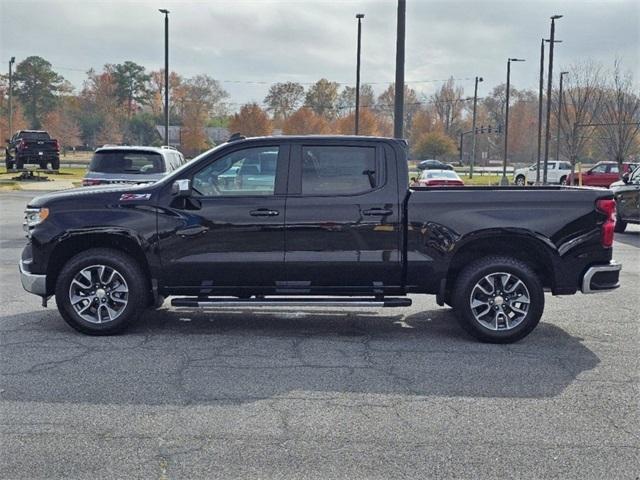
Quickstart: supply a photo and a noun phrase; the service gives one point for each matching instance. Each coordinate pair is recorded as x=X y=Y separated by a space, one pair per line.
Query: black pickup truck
x=316 y=220
x=32 y=147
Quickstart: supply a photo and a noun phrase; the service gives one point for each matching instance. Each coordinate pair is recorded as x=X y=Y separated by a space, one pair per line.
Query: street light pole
x=473 y=127
x=504 y=180
x=359 y=16
x=398 y=115
x=562 y=74
x=166 y=74
x=540 y=89
x=549 y=86
x=11 y=62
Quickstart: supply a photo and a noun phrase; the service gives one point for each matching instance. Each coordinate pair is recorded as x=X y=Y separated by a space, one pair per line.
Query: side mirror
x=181 y=188
x=588 y=172
x=625 y=178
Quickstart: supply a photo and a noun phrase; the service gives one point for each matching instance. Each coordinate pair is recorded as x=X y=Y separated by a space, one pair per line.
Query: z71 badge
x=134 y=196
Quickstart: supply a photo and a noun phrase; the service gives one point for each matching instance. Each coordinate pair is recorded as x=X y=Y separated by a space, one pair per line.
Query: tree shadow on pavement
x=193 y=357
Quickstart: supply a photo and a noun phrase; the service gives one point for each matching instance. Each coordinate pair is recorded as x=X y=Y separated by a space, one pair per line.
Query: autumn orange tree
x=61 y=124
x=305 y=121
x=369 y=124
x=435 y=145
x=251 y=121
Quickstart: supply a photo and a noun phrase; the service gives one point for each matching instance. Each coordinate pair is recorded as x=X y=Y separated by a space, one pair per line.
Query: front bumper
x=601 y=278
x=31 y=282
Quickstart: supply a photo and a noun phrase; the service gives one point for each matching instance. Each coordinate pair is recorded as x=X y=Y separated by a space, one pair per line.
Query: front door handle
x=381 y=212
x=264 y=212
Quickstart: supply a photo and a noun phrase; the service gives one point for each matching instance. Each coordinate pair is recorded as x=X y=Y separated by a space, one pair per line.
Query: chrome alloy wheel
x=99 y=294
x=499 y=301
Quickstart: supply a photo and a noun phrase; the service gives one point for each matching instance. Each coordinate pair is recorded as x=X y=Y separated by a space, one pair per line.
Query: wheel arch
x=524 y=247
x=75 y=244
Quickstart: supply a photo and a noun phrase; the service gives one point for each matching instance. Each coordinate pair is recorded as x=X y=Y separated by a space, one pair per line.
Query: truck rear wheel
x=521 y=180
x=498 y=299
x=101 y=291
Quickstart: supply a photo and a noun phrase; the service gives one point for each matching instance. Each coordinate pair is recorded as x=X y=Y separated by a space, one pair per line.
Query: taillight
x=57 y=146
x=608 y=207
x=88 y=182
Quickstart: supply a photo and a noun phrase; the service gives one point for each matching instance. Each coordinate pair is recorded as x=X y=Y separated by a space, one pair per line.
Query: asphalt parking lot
x=319 y=393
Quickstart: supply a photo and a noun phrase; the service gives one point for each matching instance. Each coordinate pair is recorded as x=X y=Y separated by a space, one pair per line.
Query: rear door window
x=338 y=170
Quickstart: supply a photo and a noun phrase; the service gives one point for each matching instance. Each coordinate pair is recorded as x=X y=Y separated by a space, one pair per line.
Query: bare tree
x=582 y=101
x=619 y=117
x=448 y=104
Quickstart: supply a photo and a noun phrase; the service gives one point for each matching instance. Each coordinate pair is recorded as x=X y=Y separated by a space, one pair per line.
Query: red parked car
x=439 y=178
x=602 y=174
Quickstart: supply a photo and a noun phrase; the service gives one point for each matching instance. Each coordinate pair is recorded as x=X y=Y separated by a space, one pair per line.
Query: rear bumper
x=31 y=282
x=601 y=278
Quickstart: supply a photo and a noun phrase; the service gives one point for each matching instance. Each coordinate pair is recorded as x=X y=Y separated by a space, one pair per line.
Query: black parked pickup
x=300 y=221
x=32 y=147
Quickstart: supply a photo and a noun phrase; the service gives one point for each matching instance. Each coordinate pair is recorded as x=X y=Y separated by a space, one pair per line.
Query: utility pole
x=549 y=86
x=562 y=74
x=473 y=129
x=11 y=62
x=166 y=75
x=398 y=115
x=359 y=16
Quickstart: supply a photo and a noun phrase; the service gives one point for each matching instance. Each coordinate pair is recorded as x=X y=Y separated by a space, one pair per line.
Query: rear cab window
x=127 y=162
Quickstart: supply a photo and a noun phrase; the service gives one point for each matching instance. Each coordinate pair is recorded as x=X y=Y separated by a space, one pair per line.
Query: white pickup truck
x=557 y=172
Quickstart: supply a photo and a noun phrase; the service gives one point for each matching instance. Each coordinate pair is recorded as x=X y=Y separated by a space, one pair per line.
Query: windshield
x=127 y=162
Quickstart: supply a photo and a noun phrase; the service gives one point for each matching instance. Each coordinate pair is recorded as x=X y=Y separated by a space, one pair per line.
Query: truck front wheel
x=521 y=180
x=498 y=299
x=101 y=291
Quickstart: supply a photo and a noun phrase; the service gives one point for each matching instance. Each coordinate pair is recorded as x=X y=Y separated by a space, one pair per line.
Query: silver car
x=113 y=164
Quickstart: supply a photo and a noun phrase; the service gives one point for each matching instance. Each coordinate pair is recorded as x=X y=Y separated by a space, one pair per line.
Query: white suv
x=557 y=172
x=131 y=164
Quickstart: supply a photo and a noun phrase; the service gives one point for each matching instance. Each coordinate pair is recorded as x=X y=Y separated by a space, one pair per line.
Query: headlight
x=34 y=216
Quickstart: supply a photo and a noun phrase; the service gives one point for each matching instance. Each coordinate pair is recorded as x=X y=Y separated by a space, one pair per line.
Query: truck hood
x=88 y=193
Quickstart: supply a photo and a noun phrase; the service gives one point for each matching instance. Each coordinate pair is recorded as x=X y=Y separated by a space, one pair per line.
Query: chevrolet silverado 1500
x=316 y=220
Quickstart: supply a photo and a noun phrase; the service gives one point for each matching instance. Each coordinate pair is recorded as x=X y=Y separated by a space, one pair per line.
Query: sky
x=249 y=44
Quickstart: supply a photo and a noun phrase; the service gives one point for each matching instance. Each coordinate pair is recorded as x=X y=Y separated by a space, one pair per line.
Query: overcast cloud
x=268 y=41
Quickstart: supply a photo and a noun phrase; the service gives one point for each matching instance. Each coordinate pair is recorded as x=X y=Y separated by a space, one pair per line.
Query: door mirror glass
x=181 y=188
x=625 y=178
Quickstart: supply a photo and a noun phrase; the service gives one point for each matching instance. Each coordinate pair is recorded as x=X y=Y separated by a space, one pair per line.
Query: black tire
x=474 y=273
x=55 y=164
x=9 y=164
x=19 y=164
x=43 y=165
x=621 y=225
x=563 y=180
x=126 y=266
x=521 y=180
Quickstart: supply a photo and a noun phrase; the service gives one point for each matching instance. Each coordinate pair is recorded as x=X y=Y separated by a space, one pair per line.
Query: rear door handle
x=377 y=212
x=264 y=212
